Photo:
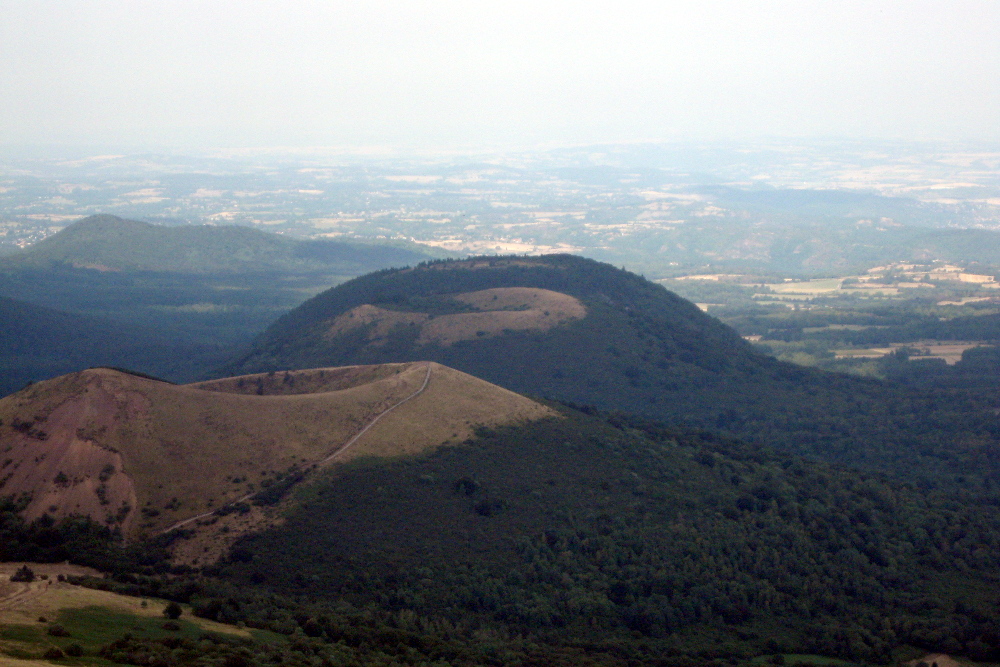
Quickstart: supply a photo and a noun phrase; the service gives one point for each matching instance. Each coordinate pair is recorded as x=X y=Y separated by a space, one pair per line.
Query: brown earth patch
x=500 y=310
x=52 y=452
x=503 y=309
x=383 y=322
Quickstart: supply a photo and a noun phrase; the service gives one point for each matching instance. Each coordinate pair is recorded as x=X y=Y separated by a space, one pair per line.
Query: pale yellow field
x=819 y=286
x=949 y=351
x=453 y=405
x=23 y=604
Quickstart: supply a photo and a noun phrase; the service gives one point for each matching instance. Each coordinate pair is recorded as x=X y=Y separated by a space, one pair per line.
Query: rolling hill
x=568 y=540
x=110 y=243
x=321 y=505
x=577 y=330
x=162 y=300
x=145 y=455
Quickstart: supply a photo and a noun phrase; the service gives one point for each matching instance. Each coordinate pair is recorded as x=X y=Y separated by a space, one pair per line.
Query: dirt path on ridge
x=343 y=448
x=427 y=379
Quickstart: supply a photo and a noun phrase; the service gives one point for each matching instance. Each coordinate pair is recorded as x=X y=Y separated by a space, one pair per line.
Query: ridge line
x=341 y=450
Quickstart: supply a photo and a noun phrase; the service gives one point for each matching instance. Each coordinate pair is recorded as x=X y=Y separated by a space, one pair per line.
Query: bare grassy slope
x=494 y=312
x=24 y=603
x=146 y=455
x=446 y=413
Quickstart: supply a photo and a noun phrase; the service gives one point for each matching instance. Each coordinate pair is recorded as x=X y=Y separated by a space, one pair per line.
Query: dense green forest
x=74 y=539
x=594 y=539
x=598 y=535
x=40 y=343
x=643 y=350
x=199 y=307
x=65 y=319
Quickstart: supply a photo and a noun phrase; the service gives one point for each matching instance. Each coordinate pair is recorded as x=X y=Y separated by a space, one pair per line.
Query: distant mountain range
x=169 y=301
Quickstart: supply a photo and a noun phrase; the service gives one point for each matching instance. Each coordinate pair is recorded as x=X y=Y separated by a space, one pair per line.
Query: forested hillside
x=626 y=537
x=170 y=301
x=602 y=540
x=110 y=243
x=39 y=343
x=639 y=349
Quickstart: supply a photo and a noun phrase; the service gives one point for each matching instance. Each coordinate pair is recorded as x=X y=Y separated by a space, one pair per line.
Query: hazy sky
x=467 y=73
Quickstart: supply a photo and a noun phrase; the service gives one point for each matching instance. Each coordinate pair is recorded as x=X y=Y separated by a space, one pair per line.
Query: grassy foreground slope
x=605 y=337
x=52 y=620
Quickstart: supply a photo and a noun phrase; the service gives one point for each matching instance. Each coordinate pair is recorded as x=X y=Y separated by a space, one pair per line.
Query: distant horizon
x=444 y=74
x=78 y=151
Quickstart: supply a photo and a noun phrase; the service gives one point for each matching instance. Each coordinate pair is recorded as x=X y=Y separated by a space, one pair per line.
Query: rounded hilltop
x=109 y=243
x=585 y=332
x=547 y=322
x=144 y=455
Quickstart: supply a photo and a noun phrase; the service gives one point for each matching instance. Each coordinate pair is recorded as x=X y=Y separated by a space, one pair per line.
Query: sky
x=478 y=74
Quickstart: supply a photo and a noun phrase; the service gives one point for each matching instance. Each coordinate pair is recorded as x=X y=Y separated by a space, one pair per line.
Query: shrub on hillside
x=54 y=654
x=172 y=611
x=57 y=630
